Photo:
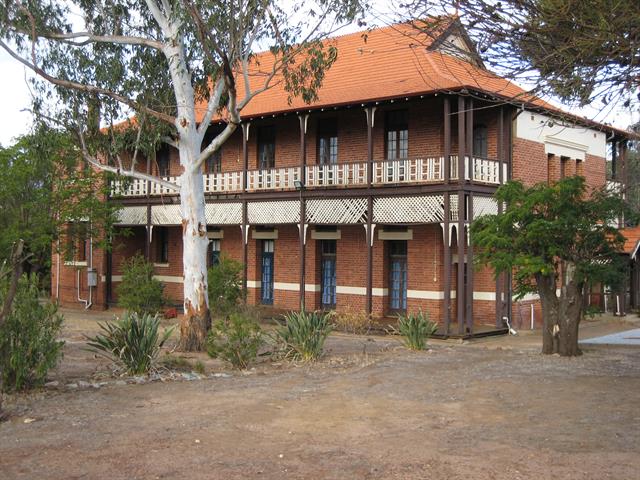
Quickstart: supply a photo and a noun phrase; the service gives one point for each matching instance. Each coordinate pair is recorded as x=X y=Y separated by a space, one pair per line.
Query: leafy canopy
x=547 y=226
x=43 y=189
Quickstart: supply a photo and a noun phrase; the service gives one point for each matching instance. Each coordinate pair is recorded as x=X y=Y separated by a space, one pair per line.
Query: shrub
x=302 y=336
x=416 y=328
x=29 y=347
x=132 y=342
x=139 y=292
x=235 y=339
x=225 y=286
x=352 y=321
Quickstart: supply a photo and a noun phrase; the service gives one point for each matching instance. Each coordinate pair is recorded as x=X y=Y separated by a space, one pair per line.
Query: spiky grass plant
x=303 y=335
x=133 y=342
x=415 y=329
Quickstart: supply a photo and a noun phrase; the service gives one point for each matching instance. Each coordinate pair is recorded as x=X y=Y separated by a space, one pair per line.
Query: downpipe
x=511 y=330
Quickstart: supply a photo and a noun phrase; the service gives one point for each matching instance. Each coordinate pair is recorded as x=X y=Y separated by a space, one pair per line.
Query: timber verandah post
x=469 y=217
x=245 y=225
x=501 y=158
x=447 y=216
x=370 y=113
x=302 y=226
x=460 y=290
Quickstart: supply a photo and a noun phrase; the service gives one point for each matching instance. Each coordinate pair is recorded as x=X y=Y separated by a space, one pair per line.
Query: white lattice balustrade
x=268 y=213
x=336 y=211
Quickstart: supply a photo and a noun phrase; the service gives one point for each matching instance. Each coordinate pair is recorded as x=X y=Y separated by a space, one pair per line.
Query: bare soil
x=487 y=409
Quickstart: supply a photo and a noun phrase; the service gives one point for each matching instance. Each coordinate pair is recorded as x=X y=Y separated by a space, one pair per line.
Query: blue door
x=328 y=285
x=398 y=275
x=267 y=272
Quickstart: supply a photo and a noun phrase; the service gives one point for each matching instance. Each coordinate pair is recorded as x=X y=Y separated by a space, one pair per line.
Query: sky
x=15 y=99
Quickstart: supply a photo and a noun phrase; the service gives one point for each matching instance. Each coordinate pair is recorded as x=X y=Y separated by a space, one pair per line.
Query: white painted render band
x=162 y=278
x=558 y=139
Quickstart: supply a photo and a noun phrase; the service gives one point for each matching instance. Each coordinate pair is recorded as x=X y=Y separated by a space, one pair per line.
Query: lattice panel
x=132 y=216
x=223 y=213
x=453 y=207
x=337 y=211
x=425 y=209
x=166 y=215
x=484 y=206
x=268 y=213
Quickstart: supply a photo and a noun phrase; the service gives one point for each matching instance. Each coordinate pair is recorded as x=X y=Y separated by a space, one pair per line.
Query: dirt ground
x=487 y=409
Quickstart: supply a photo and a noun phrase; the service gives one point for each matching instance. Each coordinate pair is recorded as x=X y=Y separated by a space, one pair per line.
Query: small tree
x=139 y=292
x=29 y=345
x=225 y=286
x=557 y=240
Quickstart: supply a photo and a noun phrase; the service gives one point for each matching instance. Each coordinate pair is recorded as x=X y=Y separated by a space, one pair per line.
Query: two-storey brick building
x=362 y=199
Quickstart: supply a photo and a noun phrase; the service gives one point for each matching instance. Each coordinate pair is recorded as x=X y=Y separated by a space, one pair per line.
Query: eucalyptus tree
x=173 y=66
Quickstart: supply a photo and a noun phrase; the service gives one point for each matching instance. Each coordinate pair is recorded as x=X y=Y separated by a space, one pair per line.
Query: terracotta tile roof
x=632 y=236
x=392 y=62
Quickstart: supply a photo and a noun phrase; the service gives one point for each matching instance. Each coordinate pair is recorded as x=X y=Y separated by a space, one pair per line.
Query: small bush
x=352 y=321
x=139 y=292
x=132 y=342
x=302 y=336
x=235 y=339
x=225 y=286
x=416 y=328
x=29 y=347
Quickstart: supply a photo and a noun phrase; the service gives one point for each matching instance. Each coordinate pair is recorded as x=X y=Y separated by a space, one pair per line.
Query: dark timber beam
x=446 y=120
x=460 y=290
x=446 y=305
x=245 y=222
x=303 y=162
x=370 y=113
x=469 y=312
x=500 y=150
x=469 y=142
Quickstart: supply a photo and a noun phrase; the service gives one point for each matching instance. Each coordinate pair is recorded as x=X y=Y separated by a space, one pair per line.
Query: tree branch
x=88 y=88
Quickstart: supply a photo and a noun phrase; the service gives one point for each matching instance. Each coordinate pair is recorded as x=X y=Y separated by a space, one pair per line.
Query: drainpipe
x=58 y=274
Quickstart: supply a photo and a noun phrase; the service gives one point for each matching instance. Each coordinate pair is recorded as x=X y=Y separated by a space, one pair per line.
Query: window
x=266 y=294
x=214 y=162
x=162 y=245
x=480 y=141
x=77 y=242
x=162 y=159
x=397 y=134
x=398 y=275
x=214 y=252
x=328 y=272
x=266 y=147
x=327 y=142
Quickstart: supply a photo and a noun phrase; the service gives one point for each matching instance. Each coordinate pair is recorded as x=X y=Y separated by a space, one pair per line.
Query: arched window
x=480 y=141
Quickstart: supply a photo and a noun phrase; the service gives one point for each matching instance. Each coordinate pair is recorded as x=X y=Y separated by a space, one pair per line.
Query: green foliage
x=42 y=190
x=303 y=335
x=29 y=347
x=578 y=50
x=416 y=328
x=139 y=292
x=132 y=342
x=225 y=286
x=235 y=339
x=547 y=226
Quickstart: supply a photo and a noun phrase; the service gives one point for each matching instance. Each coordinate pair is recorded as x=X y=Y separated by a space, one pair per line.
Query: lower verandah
x=408 y=268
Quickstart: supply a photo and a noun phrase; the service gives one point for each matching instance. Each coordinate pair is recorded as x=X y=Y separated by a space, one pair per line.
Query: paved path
x=628 y=337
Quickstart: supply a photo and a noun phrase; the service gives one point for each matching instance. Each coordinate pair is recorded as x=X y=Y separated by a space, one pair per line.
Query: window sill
x=74 y=263
x=161 y=265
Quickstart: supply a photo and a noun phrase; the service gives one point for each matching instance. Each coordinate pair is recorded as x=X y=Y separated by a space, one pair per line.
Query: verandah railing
x=421 y=170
